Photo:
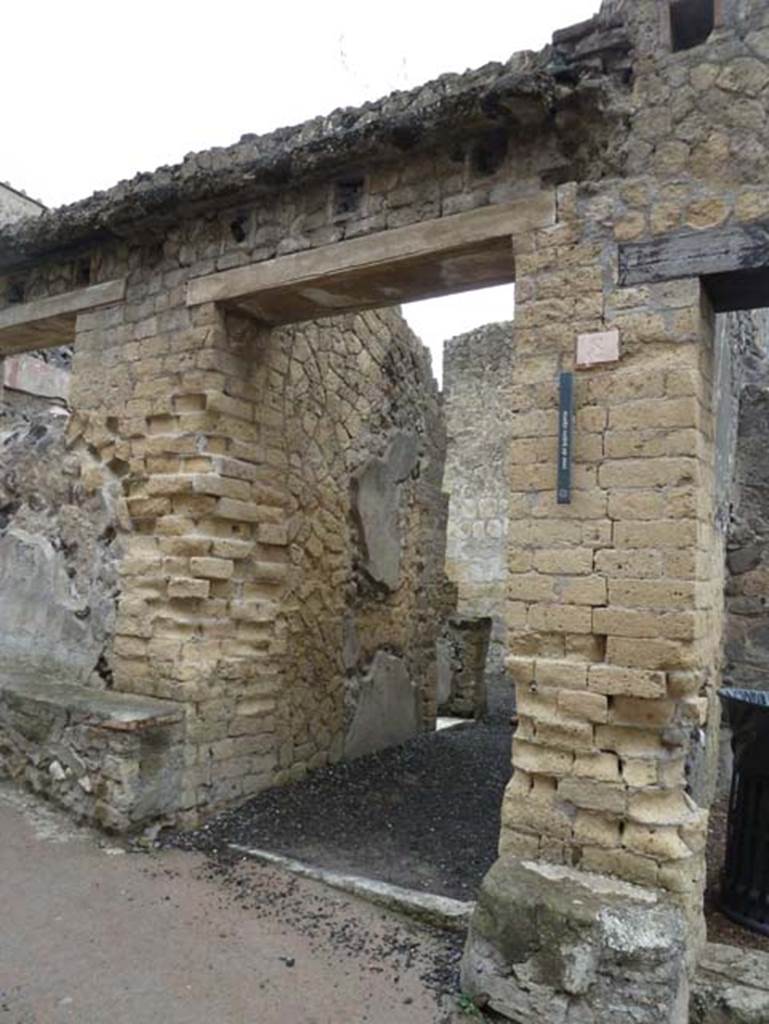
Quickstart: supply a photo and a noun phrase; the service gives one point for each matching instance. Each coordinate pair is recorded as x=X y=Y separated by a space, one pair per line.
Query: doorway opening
x=380 y=792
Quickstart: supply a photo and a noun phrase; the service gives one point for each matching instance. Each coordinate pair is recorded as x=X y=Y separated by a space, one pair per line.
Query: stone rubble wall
x=478 y=380
x=108 y=759
x=730 y=986
x=746 y=661
x=59 y=547
x=441 y=148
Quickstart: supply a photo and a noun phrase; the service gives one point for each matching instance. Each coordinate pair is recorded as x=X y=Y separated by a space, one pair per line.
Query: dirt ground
x=424 y=815
x=90 y=934
x=193 y=935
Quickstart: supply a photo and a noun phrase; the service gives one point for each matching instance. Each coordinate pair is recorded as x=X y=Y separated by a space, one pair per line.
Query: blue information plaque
x=565 y=432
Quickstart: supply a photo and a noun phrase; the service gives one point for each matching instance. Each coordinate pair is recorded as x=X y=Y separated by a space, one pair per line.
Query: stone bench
x=113 y=759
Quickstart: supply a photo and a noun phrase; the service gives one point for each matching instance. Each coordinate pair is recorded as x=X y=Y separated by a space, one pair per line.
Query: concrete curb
x=438 y=911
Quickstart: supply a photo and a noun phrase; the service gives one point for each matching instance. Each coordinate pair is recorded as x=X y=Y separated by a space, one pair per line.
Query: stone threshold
x=428 y=908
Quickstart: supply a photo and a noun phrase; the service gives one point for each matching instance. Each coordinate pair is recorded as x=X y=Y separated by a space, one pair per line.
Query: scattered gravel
x=424 y=815
x=402 y=946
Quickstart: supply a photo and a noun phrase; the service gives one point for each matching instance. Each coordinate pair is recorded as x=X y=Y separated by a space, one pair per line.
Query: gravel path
x=424 y=815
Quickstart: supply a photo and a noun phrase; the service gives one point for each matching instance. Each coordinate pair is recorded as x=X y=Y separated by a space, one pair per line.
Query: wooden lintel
x=729 y=250
x=43 y=323
x=435 y=257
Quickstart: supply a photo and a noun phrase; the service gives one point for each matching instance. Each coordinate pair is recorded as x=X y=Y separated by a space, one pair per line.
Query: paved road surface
x=93 y=935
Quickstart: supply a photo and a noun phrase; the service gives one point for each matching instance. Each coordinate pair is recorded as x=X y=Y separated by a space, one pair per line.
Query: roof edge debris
x=522 y=93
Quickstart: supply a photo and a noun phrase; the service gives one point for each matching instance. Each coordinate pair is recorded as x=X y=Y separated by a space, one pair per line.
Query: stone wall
x=286 y=530
x=359 y=427
x=746 y=661
x=478 y=380
x=308 y=609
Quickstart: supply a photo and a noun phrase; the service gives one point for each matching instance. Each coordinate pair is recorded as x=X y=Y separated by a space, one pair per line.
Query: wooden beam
x=729 y=250
x=437 y=257
x=386 y=285
x=43 y=323
x=67 y=303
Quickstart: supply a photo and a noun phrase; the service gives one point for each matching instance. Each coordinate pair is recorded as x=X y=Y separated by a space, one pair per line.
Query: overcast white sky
x=94 y=90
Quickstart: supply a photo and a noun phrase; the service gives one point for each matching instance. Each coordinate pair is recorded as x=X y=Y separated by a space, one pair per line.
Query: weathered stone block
x=212 y=568
x=541 y=759
x=602 y=766
x=188 y=588
x=617 y=681
x=555 y=944
x=569 y=674
x=113 y=760
x=730 y=986
x=596 y=830
x=376 y=506
x=593 y=795
x=386 y=708
x=591 y=706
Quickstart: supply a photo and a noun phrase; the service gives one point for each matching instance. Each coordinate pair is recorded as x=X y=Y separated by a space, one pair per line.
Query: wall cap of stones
x=521 y=96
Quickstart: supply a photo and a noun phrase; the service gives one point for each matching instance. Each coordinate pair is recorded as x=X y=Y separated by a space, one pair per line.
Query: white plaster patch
x=597 y=348
x=35 y=377
x=628 y=932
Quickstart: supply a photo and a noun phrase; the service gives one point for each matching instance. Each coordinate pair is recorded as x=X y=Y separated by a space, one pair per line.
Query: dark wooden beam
x=713 y=251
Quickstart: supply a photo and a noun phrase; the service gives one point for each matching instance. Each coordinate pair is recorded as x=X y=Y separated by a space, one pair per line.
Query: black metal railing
x=745 y=880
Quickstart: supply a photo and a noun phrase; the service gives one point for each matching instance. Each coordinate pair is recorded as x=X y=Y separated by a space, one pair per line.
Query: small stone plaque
x=598 y=348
